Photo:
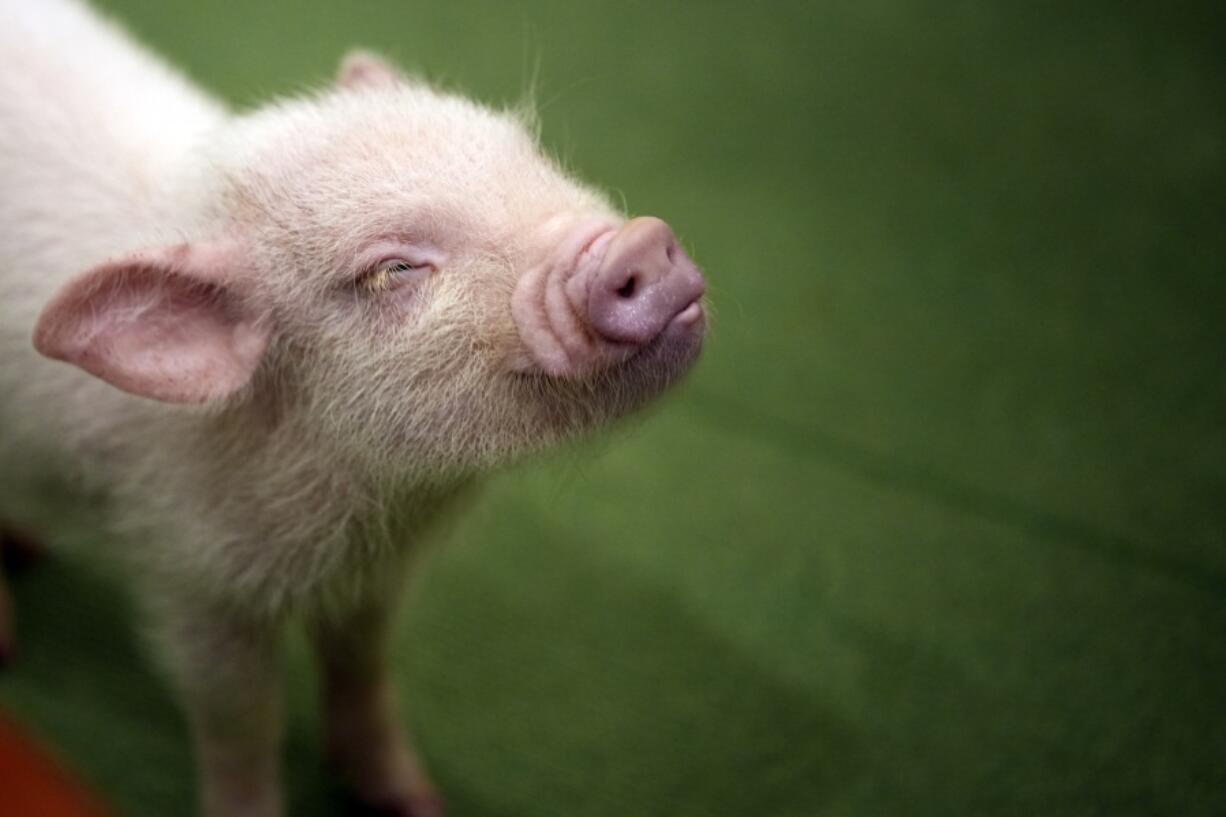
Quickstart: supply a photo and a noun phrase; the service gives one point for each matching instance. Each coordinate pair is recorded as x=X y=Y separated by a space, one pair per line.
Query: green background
x=938 y=526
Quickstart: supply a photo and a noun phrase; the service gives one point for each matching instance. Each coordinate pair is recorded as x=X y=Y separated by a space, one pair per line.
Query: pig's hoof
x=18 y=549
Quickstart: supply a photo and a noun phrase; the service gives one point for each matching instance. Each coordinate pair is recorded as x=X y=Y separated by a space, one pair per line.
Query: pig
x=281 y=342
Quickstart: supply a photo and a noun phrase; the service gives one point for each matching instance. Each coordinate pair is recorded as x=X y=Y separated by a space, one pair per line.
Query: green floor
x=939 y=525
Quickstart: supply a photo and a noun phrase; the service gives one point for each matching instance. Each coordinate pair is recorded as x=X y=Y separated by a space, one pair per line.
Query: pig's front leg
x=365 y=738
x=226 y=669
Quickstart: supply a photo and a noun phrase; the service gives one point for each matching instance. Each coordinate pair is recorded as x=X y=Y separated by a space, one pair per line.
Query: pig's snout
x=606 y=294
x=644 y=281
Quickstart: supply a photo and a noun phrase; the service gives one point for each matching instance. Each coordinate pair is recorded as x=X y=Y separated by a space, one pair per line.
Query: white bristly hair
x=303 y=491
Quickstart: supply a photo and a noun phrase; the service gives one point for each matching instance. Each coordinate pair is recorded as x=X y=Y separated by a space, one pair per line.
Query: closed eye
x=392 y=273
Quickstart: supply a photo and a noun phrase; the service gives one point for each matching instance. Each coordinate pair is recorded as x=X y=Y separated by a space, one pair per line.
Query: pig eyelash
x=392 y=273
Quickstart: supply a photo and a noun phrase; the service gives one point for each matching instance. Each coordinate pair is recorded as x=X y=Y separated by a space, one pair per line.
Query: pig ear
x=362 y=69
x=159 y=323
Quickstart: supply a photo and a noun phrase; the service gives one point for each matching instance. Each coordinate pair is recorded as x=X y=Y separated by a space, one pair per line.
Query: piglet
x=280 y=342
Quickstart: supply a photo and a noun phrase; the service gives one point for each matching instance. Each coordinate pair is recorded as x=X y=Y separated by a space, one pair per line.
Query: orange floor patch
x=33 y=784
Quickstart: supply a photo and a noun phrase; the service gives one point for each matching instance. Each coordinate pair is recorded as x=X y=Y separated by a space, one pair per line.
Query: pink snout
x=606 y=294
x=644 y=281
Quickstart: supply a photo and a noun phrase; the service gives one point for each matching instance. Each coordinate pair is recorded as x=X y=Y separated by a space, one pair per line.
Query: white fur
x=302 y=492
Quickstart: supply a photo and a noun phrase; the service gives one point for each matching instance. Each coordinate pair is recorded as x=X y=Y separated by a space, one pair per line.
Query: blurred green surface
x=938 y=526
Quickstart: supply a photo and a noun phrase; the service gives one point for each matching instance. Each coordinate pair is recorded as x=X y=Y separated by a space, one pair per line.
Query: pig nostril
x=643 y=282
x=626 y=290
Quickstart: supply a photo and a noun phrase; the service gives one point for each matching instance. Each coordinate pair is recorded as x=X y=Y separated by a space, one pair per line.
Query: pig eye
x=392 y=273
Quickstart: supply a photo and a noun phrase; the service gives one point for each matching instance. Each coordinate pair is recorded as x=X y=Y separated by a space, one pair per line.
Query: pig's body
x=100 y=157
x=274 y=400
x=92 y=131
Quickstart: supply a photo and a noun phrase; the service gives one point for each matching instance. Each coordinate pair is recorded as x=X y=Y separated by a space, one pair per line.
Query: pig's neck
x=293 y=524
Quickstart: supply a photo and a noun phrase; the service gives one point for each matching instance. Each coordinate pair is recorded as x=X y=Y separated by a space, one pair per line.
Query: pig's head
x=399 y=273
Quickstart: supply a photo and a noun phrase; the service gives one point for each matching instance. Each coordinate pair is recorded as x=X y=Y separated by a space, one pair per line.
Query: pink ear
x=362 y=69
x=159 y=323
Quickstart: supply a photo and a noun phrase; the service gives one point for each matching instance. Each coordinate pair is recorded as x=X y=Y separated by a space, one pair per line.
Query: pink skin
x=387 y=291
x=177 y=325
x=605 y=295
x=162 y=323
